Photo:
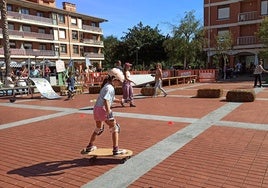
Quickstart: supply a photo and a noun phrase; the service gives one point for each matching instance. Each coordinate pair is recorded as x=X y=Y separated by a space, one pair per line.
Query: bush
x=240 y=96
x=209 y=93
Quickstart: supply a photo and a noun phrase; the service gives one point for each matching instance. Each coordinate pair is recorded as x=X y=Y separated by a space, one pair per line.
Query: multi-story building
x=38 y=30
x=242 y=18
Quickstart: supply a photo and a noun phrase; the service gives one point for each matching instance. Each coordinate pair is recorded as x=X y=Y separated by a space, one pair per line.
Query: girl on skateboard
x=102 y=113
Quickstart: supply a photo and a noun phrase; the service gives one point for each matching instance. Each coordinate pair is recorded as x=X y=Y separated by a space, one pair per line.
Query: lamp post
x=137 y=55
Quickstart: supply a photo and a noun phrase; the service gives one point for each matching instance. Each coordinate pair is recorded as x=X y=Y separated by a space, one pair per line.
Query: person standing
x=258 y=73
x=102 y=113
x=158 y=80
x=71 y=84
x=127 y=87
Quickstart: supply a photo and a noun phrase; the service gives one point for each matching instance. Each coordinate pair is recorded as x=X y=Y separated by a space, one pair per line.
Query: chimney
x=69 y=7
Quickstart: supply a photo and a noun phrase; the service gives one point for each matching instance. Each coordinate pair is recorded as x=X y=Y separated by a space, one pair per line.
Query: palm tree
x=4 y=23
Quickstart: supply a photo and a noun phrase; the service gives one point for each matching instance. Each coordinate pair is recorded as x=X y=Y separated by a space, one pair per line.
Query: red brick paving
x=46 y=153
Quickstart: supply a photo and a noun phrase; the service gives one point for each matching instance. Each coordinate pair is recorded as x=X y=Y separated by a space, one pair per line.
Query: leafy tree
x=144 y=45
x=262 y=34
x=4 y=23
x=110 y=51
x=187 y=41
x=223 y=45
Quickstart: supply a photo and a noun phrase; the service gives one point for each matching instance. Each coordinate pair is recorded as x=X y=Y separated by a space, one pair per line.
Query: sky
x=123 y=15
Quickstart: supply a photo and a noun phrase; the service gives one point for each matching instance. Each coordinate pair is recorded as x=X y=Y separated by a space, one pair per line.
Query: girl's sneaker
x=88 y=149
x=119 y=151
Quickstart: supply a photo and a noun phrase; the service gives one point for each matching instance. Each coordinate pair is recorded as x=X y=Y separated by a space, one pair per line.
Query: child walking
x=103 y=114
x=158 y=80
x=70 y=82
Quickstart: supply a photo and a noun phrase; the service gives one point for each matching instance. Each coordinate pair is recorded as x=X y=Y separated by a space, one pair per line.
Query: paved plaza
x=178 y=141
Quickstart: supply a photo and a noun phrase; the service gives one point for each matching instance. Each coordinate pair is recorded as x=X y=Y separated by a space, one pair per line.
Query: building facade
x=40 y=31
x=242 y=18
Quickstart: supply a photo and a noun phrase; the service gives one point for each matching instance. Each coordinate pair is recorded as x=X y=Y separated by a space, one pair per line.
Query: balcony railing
x=247 y=16
x=247 y=40
x=22 y=34
x=93 y=55
x=17 y=15
x=91 y=41
x=29 y=52
x=92 y=28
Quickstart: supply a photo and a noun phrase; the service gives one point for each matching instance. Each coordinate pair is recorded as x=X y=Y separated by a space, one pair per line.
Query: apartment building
x=242 y=18
x=39 y=31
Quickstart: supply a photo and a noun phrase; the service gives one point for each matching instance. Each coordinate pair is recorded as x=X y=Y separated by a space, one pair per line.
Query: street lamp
x=137 y=56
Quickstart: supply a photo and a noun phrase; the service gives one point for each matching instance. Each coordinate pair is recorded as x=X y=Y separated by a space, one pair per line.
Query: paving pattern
x=178 y=141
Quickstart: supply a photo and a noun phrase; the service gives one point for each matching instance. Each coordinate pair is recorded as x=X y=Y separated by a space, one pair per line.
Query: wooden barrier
x=180 y=79
x=207 y=75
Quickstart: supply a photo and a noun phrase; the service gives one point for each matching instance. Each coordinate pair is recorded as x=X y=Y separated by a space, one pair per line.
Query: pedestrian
x=71 y=83
x=118 y=65
x=103 y=114
x=158 y=80
x=258 y=73
x=127 y=87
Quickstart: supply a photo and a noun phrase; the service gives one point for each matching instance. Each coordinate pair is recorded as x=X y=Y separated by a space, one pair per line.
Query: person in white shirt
x=258 y=73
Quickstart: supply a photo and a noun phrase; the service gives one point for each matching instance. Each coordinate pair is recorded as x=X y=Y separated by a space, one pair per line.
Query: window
x=264 y=7
x=26 y=28
x=28 y=46
x=75 y=49
x=24 y=11
x=73 y=21
x=11 y=26
x=42 y=47
x=63 y=48
x=222 y=33
x=62 y=34
x=93 y=24
x=40 y=14
x=61 y=18
x=223 y=13
x=12 y=44
x=75 y=35
x=41 y=30
x=9 y=7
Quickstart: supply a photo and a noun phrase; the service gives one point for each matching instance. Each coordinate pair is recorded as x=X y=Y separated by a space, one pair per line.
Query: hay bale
x=209 y=93
x=94 y=89
x=240 y=95
x=149 y=91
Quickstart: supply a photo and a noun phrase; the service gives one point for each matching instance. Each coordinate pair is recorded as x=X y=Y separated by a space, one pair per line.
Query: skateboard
x=108 y=153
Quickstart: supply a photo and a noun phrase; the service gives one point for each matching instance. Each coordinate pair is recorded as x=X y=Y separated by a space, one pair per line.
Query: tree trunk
x=3 y=9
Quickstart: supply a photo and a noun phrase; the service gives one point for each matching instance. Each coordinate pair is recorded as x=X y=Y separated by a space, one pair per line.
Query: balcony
x=22 y=34
x=27 y=17
x=247 y=40
x=247 y=16
x=93 y=55
x=92 y=28
x=29 y=52
x=91 y=41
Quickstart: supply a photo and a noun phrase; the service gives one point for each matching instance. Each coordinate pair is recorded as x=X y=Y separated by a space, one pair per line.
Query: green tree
x=262 y=34
x=186 y=43
x=4 y=23
x=224 y=44
x=144 y=45
x=110 y=51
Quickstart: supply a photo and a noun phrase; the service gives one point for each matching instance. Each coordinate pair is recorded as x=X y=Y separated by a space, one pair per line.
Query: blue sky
x=125 y=14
